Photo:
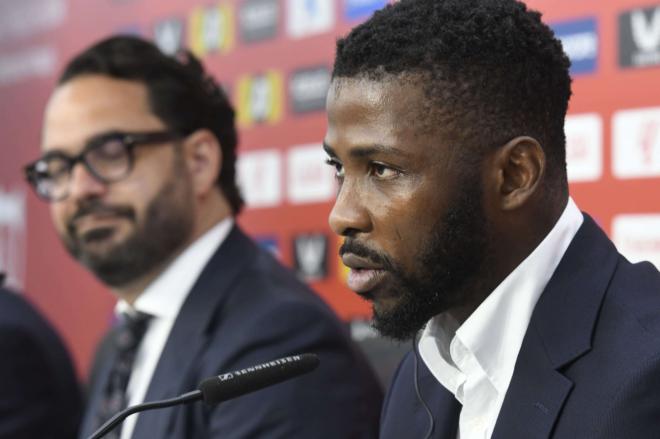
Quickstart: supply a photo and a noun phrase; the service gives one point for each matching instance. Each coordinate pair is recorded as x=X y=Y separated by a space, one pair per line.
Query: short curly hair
x=491 y=68
x=180 y=93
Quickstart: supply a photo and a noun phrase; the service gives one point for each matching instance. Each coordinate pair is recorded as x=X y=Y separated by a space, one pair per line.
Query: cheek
x=59 y=213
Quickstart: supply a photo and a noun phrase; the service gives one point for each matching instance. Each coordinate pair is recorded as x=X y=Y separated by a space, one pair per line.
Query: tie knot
x=131 y=329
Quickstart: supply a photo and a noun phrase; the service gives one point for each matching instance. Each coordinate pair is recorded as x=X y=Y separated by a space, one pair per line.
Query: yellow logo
x=211 y=29
x=260 y=98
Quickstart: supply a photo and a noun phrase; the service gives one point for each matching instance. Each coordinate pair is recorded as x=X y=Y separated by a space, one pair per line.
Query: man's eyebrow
x=367 y=151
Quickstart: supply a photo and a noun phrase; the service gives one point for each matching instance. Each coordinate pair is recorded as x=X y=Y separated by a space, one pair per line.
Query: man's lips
x=364 y=275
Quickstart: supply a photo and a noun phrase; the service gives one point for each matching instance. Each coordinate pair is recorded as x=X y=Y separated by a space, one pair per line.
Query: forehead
x=391 y=112
x=94 y=104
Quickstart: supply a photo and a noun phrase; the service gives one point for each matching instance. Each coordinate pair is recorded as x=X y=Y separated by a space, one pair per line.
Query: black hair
x=491 y=68
x=180 y=93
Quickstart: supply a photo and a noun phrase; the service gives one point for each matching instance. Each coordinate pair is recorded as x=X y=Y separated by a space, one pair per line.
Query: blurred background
x=274 y=58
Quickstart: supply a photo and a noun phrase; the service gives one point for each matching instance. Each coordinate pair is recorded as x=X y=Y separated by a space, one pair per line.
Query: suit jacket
x=588 y=367
x=39 y=393
x=246 y=309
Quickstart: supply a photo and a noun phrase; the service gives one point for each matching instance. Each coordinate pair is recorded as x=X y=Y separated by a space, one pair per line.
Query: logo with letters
x=361 y=9
x=639 y=37
x=168 y=35
x=211 y=29
x=308 y=88
x=259 y=98
x=579 y=39
x=258 y=19
x=310 y=252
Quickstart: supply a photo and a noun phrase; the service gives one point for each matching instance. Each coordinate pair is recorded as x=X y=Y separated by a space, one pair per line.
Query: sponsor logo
x=258 y=19
x=309 y=180
x=309 y=17
x=307 y=89
x=35 y=62
x=168 y=35
x=259 y=99
x=636 y=143
x=30 y=17
x=638 y=237
x=310 y=252
x=639 y=37
x=211 y=29
x=270 y=244
x=13 y=236
x=584 y=147
x=579 y=39
x=260 y=177
x=361 y=9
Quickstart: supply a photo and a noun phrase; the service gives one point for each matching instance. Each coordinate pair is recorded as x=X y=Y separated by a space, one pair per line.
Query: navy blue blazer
x=39 y=393
x=588 y=367
x=246 y=309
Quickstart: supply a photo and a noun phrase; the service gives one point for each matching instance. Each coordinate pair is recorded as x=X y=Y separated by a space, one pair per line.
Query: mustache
x=97 y=207
x=351 y=245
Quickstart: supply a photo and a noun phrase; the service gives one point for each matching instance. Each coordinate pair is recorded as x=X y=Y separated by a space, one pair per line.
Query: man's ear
x=204 y=159
x=518 y=168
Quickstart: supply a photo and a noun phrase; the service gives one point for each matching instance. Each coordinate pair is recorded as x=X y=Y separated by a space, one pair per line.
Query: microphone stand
x=186 y=398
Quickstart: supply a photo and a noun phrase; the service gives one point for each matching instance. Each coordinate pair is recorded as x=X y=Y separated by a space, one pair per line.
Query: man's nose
x=83 y=184
x=349 y=215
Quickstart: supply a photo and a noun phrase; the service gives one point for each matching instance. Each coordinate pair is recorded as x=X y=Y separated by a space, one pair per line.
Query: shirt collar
x=165 y=295
x=494 y=332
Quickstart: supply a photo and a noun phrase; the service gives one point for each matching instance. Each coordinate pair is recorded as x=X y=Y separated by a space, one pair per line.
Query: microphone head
x=230 y=385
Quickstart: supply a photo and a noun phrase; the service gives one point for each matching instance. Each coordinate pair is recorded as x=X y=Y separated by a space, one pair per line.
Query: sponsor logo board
x=211 y=29
x=310 y=253
x=260 y=177
x=636 y=143
x=310 y=179
x=258 y=20
x=309 y=17
x=308 y=88
x=259 y=98
x=639 y=37
x=637 y=236
x=579 y=39
x=584 y=147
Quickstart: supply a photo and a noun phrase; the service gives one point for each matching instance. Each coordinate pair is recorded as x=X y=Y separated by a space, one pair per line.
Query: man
x=39 y=392
x=445 y=125
x=139 y=166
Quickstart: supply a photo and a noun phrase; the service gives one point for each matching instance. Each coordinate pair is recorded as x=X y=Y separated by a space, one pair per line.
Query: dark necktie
x=127 y=337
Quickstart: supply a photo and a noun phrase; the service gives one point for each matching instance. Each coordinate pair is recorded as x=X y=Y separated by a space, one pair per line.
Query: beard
x=167 y=225
x=451 y=259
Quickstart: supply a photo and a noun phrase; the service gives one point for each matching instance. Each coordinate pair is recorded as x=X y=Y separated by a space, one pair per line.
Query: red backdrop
x=273 y=56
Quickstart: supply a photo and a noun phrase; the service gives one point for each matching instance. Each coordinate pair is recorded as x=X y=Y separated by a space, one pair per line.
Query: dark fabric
x=246 y=309
x=39 y=393
x=126 y=339
x=589 y=364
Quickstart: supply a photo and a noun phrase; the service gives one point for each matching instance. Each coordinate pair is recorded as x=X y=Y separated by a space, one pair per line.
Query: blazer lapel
x=188 y=338
x=559 y=332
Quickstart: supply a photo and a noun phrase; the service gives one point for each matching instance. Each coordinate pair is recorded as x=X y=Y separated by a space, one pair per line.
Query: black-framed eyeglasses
x=108 y=157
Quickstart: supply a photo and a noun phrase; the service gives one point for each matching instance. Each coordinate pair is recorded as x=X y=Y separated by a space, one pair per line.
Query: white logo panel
x=308 y=17
x=584 y=147
x=260 y=177
x=638 y=237
x=309 y=179
x=636 y=143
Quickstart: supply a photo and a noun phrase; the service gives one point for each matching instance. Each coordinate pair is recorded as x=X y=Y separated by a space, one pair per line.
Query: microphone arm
x=111 y=423
x=226 y=386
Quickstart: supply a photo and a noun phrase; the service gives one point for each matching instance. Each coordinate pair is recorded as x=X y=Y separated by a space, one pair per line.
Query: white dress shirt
x=475 y=360
x=163 y=299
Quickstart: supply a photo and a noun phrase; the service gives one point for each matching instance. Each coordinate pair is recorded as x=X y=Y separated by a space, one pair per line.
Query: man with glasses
x=138 y=165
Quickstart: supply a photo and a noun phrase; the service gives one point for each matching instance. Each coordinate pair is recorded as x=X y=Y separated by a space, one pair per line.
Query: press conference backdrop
x=274 y=57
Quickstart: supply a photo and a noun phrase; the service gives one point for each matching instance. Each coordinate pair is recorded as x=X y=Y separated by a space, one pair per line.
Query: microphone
x=226 y=386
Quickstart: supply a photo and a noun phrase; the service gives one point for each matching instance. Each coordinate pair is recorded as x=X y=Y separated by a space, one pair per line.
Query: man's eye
x=339 y=168
x=383 y=171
